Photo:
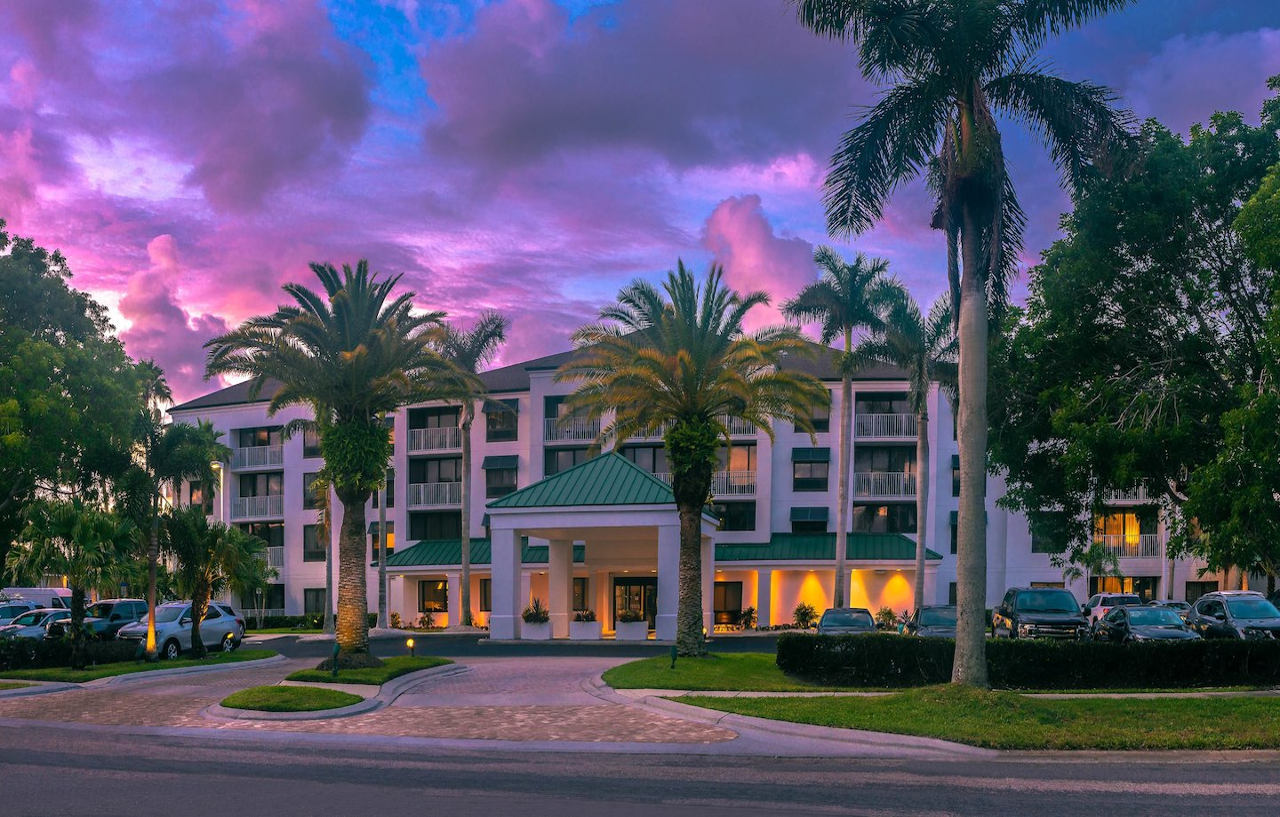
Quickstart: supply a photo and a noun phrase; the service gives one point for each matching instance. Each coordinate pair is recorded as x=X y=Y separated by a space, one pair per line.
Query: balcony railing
x=655 y=435
x=739 y=427
x=885 y=426
x=258 y=456
x=1128 y=546
x=1135 y=495
x=573 y=429
x=878 y=484
x=275 y=557
x=444 y=438
x=725 y=483
x=434 y=494
x=255 y=507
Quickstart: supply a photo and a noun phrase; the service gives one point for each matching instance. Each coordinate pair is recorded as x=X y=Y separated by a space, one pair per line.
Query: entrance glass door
x=635 y=594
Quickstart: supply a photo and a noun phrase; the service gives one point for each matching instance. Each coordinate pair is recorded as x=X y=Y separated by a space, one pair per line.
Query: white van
x=43 y=596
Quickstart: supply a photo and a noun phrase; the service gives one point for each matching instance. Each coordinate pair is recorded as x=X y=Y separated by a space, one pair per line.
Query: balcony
x=884 y=485
x=884 y=426
x=572 y=429
x=435 y=494
x=655 y=435
x=1135 y=496
x=725 y=483
x=1128 y=546
x=446 y=438
x=258 y=507
x=739 y=427
x=257 y=456
x=275 y=557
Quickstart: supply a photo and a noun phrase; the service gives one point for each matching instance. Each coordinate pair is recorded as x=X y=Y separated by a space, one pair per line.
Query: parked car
x=221 y=627
x=1235 y=614
x=846 y=621
x=932 y=622
x=1038 y=612
x=1099 y=604
x=10 y=610
x=109 y=615
x=1127 y=623
x=1179 y=607
x=35 y=623
x=43 y=597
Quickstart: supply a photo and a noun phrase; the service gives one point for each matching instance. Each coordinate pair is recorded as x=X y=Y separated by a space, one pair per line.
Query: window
x=1047 y=530
x=1211 y=607
x=499 y=482
x=1197 y=589
x=652 y=458
x=727 y=602
x=486 y=595
x=951 y=593
x=391 y=490
x=255 y=437
x=198 y=497
x=554 y=408
x=310 y=499
x=270 y=532
x=809 y=476
x=501 y=423
x=580 y=594
x=272 y=599
x=899 y=518
x=313 y=600
x=434 y=417
x=310 y=443
x=439 y=469
x=389 y=423
x=737 y=458
x=955 y=536
x=375 y=544
x=955 y=475
x=821 y=418
x=556 y=460
x=736 y=515
x=269 y=484
x=312 y=547
x=884 y=459
x=1055 y=585
x=809 y=520
x=881 y=403
x=1127 y=526
x=433 y=596
x=435 y=525
x=1143 y=586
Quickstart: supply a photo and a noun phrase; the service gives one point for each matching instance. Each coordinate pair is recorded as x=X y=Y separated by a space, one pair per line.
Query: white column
x=560 y=585
x=764 y=598
x=708 y=585
x=602 y=599
x=668 y=581
x=504 y=620
x=453 y=589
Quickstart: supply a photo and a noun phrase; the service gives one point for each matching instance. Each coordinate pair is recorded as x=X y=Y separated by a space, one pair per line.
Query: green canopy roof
x=811 y=455
x=609 y=479
x=818 y=514
x=815 y=547
x=431 y=552
x=496 y=461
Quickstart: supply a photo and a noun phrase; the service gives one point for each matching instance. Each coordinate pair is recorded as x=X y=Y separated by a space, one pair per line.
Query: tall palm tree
x=844 y=299
x=352 y=353
x=680 y=356
x=208 y=559
x=925 y=348
x=953 y=65
x=89 y=546
x=468 y=350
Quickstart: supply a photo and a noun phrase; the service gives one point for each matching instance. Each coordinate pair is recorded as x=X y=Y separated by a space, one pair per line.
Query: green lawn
x=284 y=631
x=289 y=699
x=391 y=668
x=746 y=671
x=126 y=667
x=1008 y=720
x=13 y=685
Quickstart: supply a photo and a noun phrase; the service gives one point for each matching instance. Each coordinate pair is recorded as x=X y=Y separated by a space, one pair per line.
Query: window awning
x=808 y=514
x=811 y=455
x=373 y=528
x=500 y=461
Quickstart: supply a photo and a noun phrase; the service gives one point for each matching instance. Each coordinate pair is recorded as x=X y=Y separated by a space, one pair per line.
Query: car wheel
x=172 y=650
x=229 y=643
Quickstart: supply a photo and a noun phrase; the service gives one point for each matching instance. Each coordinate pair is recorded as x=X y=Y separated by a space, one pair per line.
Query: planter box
x=632 y=630
x=535 y=632
x=585 y=630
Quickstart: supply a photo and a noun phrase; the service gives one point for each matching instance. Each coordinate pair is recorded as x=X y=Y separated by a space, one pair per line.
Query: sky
x=529 y=156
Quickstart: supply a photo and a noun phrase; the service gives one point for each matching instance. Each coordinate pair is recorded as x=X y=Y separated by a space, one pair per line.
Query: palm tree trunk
x=844 y=464
x=199 y=606
x=78 y=647
x=970 y=665
x=382 y=557
x=690 y=639
x=922 y=499
x=328 y=578
x=353 y=600
x=464 y=617
x=153 y=556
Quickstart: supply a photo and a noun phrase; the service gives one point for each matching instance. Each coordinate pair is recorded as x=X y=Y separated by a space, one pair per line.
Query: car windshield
x=11 y=611
x=1154 y=617
x=847 y=618
x=1252 y=608
x=938 y=617
x=29 y=619
x=164 y=614
x=1047 y=601
x=100 y=610
x=1122 y=601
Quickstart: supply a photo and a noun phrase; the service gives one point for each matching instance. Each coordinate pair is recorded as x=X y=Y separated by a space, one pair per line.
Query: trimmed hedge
x=309 y=621
x=27 y=653
x=895 y=661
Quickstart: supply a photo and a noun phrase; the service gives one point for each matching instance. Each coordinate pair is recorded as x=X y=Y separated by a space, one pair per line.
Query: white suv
x=1100 y=604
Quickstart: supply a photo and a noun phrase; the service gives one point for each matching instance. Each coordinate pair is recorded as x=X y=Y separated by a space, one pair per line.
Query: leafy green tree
x=846 y=298
x=468 y=350
x=68 y=538
x=679 y=358
x=209 y=559
x=352 y=353
x=953 y=66
x=925 y=348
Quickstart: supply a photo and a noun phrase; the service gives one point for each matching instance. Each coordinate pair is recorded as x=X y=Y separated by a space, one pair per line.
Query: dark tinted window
x=1252 y=608
x=1046 y=601
x=847 y=618
x=938 y=617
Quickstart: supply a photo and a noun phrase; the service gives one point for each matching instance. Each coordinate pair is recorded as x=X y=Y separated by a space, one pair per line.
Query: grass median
x=289 y=699
x=79 y=676
x=13 y=685
x=1008 y=720
x=391 y=668
x=746 y=671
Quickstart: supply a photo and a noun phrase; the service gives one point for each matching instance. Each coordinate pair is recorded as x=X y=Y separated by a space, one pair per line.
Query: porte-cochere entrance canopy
x=626 y=520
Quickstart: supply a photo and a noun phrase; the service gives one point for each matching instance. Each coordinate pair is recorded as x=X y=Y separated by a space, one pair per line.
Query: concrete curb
x=139 y=677
x=568 y=642
x=36 y=688
x=220 y=712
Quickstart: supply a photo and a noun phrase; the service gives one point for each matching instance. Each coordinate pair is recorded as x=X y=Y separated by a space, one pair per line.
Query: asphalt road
x=464 y=646
x=52 y=770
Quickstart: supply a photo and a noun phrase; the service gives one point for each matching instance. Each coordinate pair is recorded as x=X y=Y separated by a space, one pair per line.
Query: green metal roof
x=811 y=455
x=813 y=547
x=431 y=552
x=609 y=479
x=818 y=514
x=496 y=461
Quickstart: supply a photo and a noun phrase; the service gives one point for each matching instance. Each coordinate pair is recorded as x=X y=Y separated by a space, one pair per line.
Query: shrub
x=584 y=615
x=426 y=620
x=630 y=616
x=536 y=613
x=895 y=661
x=26 y=653
x=395 y=621
x=747 y=618
x=886 y=619
x=805 y=615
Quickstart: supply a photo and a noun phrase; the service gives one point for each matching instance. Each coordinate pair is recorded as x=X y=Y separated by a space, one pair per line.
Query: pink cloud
x=740 y=237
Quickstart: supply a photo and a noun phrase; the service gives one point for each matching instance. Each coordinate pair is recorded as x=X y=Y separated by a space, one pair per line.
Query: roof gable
x=609 y=479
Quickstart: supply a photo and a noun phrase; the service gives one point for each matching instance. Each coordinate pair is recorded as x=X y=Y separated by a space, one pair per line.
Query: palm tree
x=925 y=348
x=90 y=547
x=351 y=353
x=467 y=350
x=844 y=299
x=953 y=64
x=678 y=358
x=208 y=559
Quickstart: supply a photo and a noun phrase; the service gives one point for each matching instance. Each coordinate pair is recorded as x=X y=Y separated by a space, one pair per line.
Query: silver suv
x=9 y=610
x=221 y=627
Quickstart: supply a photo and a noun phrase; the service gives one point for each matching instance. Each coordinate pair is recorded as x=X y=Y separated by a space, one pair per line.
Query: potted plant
x=537 y=622
x=584 y=626
x=632 y=626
